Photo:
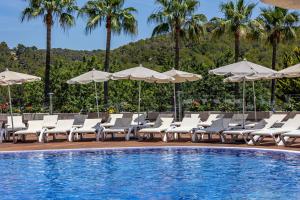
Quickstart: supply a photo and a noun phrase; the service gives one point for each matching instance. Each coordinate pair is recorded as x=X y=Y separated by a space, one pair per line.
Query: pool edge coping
x=149 y=147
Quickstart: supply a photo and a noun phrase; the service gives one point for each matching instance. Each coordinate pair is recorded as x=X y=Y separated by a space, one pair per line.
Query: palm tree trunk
x=177 y=60
x=273 y=84
x=177 y=48
x=237 y=55
x=237 y=46
x=107 y=58
x=48 y=58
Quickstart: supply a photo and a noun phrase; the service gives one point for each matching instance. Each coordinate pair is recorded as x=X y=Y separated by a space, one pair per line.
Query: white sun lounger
x=161 y=126
x=90 y=126
x=62 y=127
x=187 y=126
x=122 y=125
x=35 y=127
x=290 y=125
x=293 y=135
x=263 y=124
x=18 y=125
x=211 y=118
x=217 y=127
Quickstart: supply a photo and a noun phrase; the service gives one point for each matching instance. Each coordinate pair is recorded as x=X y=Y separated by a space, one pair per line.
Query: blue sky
x=32 y=33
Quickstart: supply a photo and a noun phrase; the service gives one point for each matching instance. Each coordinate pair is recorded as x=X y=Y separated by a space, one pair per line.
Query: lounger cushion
x=115 y=130
x=53 y=131
x=271 y=131
x=294 y=133
x=151 y=130
x=82 y=130
x=23 y=132
x=239 y=132
x=180 y=130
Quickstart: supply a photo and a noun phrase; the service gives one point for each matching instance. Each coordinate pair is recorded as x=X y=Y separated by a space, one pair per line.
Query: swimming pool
x=150 y=173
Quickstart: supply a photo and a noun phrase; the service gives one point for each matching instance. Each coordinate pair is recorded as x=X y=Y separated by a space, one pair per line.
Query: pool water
x=159 y=173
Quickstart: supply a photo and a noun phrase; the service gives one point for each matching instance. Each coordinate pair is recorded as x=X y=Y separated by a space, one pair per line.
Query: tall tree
x=178 y=18
x=116 y=18
x=279 y=25
x=50 y=10
x=237 y=20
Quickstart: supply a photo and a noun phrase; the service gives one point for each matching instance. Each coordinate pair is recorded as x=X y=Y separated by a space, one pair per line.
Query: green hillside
x=157 y=53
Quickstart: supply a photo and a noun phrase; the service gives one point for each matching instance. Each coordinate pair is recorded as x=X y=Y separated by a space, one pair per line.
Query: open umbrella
x=93 y=76
x=289 y=4
x=290 y=72
x=244 y=71
x=8 y=78
x=141 y=73
x=180 y=77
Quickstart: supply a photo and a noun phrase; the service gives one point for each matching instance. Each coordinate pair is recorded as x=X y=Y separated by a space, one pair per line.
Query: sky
x=33 y=33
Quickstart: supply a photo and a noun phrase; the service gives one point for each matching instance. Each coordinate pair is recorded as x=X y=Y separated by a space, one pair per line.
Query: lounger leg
x=276 y=139
x=127 y=136
x=284 y=140
x=15 y=139
x=71 y=135
x=165 y=137
x=194 y=137
x=246 y=138
x=281 y=143
x=1 y=135
x=42 y=135
x=222 y=138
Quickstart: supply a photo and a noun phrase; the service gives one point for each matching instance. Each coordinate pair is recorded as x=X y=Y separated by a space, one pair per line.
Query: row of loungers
x=137 y=126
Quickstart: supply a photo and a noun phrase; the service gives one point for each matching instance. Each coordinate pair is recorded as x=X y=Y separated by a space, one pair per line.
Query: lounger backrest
x=65 y=124
x=123 y=123
x=50 y=120
x=113 y=117
x=195 y=115
x=18 y=121
x=138 y=118
x=79 y=119
x=213 y=117
x=293 y=123
x=190 y=122
x=191 y=115
x=91 y=123
x=238 y=118
x=275 y=118
x=219 y=125
x=166 y=122
x=35 y=125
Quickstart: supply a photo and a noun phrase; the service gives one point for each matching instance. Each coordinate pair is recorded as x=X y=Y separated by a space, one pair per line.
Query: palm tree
x=177 y=17
x=50 y=10
x=279 y=25
x=117 y=19
x=237 y=21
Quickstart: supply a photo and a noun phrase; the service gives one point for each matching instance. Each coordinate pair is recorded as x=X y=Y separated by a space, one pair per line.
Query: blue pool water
x=164 y=173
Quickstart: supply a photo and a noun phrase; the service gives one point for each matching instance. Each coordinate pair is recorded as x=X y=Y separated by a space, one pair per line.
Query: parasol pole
x=97 y=102
x=254 y=100
x=10 y=107
x=244 y=85
x=175 y=106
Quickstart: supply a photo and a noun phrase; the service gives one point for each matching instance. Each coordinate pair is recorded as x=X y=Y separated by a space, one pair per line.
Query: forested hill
x=157 y=53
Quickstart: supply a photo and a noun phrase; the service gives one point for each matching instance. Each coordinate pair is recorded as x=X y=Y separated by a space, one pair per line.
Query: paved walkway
x=91 y=143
